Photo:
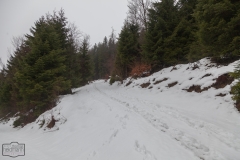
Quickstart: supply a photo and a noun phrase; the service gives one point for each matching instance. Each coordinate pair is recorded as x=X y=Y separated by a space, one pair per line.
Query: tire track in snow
x=225 y=137
x=100 y=100
x=199 y=150
x=120 y=123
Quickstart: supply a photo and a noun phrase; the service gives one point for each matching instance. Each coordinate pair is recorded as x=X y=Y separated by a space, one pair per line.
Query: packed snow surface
x=127 y=122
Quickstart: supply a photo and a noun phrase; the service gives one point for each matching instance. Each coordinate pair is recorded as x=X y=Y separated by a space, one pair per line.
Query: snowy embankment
x=174 y=114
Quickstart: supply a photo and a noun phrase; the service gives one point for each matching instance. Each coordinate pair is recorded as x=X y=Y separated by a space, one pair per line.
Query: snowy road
x=103 y=122
x=191 y=131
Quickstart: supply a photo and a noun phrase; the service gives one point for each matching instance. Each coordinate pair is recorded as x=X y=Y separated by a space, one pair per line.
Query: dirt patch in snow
x=206 y=75
x=193 y=67
x=222 y=81
x=172 y=84
x=157 y=82
x=174 y=68
x=196 y=88
x=52 y=123
x=221 y=95
x=238 y=106
x=145 y=85
x=130 y=82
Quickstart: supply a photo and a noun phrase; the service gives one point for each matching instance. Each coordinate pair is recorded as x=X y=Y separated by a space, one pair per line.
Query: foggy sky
x=92 y=17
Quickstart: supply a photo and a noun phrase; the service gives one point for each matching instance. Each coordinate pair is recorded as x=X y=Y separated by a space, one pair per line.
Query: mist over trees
x=103 y=56
x=56 y=56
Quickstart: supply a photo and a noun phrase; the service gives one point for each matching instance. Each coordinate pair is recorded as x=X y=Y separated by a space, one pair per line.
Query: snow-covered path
x=104 y=122
x=192 y=130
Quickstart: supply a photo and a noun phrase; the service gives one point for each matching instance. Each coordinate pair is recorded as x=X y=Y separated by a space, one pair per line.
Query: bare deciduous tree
x=75 y=35
x=17 y=42
x=86 y=41
x=137 y=12
x=2 y=66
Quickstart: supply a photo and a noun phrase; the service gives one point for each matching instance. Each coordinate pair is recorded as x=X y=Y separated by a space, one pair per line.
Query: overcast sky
x=93 y=17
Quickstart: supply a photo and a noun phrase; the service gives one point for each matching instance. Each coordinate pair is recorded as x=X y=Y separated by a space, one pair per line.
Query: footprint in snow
x=147 y=155
x=114 y=134
x=123 y=121
x=92 y=154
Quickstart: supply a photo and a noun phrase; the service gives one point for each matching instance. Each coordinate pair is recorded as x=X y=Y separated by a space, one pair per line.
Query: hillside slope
x=183 y=112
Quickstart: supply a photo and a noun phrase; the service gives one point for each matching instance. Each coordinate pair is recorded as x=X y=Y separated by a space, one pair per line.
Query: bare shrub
x=140 y=70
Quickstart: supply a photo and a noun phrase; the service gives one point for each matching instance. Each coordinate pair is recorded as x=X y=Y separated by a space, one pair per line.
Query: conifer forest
x=55 y=57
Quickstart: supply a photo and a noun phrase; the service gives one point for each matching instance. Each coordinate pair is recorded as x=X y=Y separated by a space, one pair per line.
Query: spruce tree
x=9 y=94
x=218 y=23
x=128 y=47
x=44 y=66
x=163 y=19
x=40 y=78
x=85 y=62
x=177 y=46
